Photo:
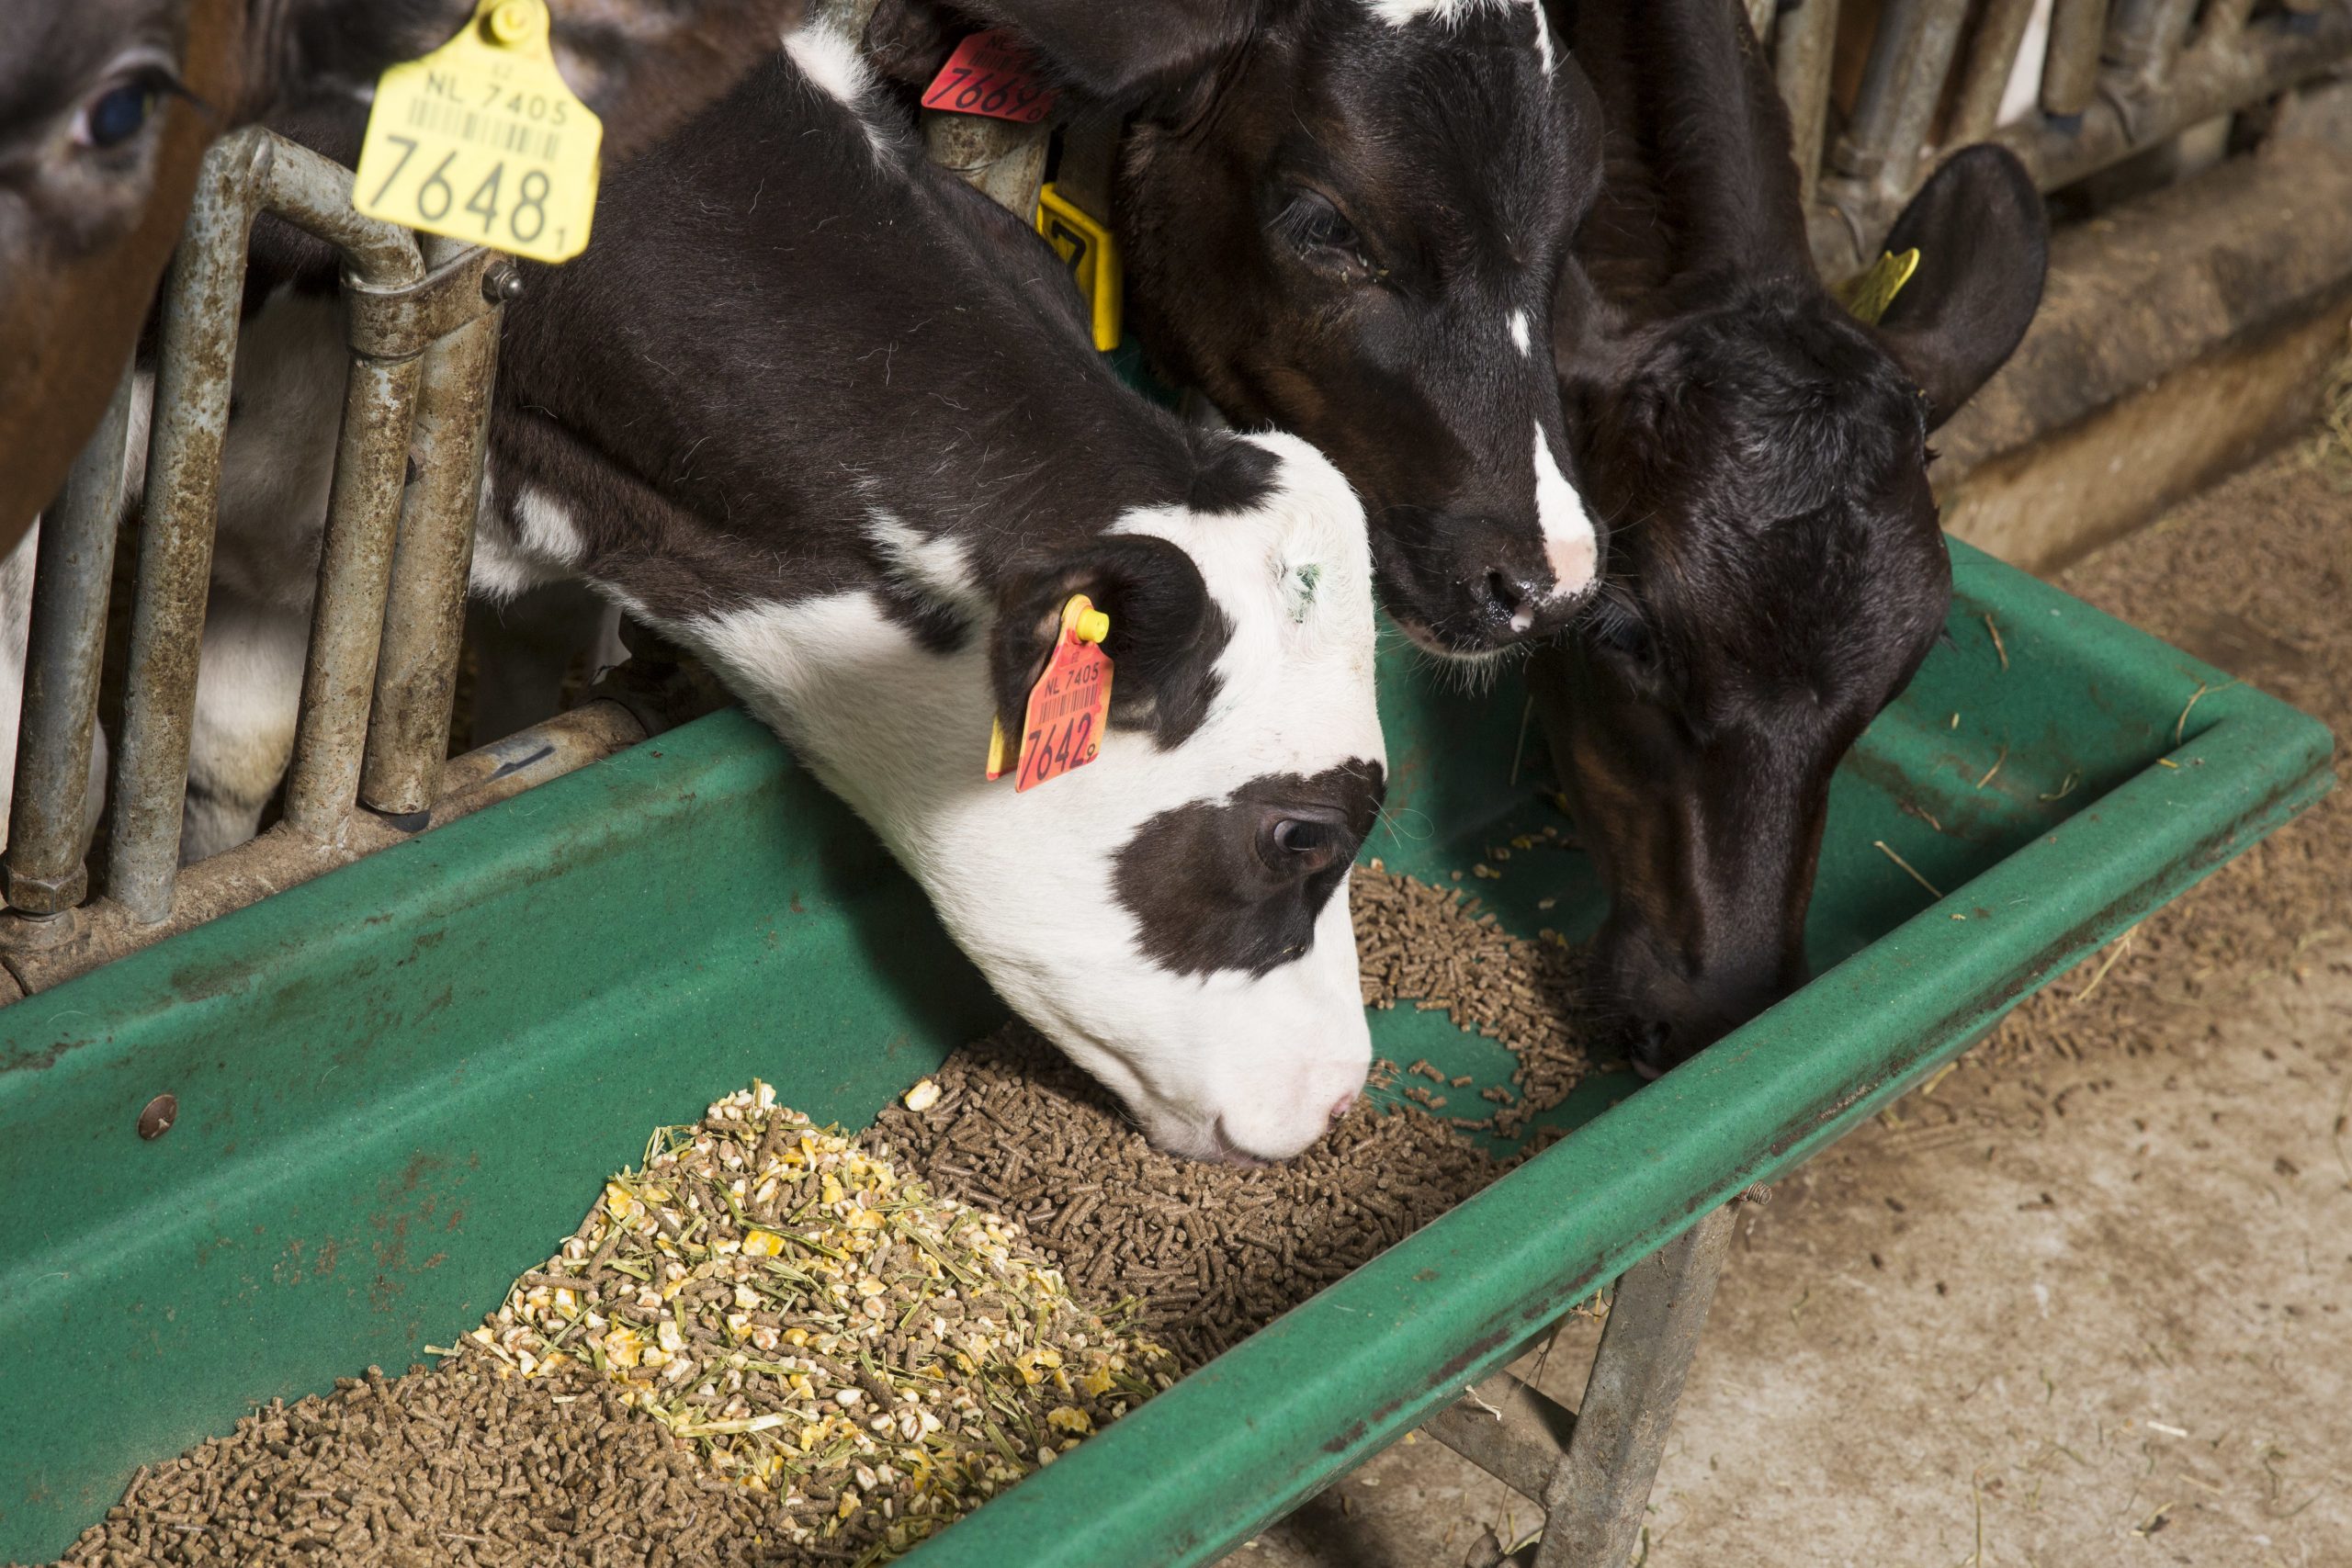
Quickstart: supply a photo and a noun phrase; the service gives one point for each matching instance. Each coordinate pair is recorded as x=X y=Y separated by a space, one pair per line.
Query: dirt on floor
x=2087 y=1298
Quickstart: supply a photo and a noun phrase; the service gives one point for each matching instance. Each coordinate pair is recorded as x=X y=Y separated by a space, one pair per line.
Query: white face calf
x=1174 y=915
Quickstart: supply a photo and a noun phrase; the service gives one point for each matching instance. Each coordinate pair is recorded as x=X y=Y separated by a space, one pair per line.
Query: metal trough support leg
x=1591 y=1469
x=73 y=579
x=1593 y=1507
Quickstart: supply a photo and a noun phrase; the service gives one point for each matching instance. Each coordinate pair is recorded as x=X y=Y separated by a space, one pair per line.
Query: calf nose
x=1575 y=560
x=1346 y=1103
x=1510 y=599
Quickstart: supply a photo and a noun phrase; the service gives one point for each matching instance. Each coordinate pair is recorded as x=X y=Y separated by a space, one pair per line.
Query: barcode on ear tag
x=991 y=74
x=481 y=141
x=1068 y=707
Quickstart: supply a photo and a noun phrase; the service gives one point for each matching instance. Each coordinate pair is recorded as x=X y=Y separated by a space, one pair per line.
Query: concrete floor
x=2086 y=1299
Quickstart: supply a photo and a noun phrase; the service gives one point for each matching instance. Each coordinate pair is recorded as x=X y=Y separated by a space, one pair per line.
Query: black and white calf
x=1347 y=218
x=821 y=414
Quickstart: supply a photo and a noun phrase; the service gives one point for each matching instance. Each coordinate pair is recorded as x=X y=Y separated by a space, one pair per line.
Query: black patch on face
x=1237 y=884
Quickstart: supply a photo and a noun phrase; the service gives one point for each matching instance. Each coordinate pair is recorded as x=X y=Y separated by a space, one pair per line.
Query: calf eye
x=1625 y=634
x=1301 y=846
x=120 y=109
x=1322 y=233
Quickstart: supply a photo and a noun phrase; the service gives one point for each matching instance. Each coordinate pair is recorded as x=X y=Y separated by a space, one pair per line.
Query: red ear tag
x=991 y=74
x=1070 y=703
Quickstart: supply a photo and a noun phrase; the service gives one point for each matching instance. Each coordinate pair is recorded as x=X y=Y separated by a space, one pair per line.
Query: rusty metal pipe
x=425 y=623
x=2145 y=36
x=245 y=172
x=2070 y=71
x=283 y=858
x=1992 y=56
x=1801 y=57
x=63 y=648
x=2271 y=58
x=1911 y=55
x=199 y=351
x=1002 y=161
x=363 y=507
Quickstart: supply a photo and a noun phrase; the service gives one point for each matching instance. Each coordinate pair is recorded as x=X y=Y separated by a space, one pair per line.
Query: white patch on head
x=1543 y=36
x=1569 y=543
x=1025 y=882
x=937 y=567
x=1519 y=338
x=830 y=62
x=1445 y=13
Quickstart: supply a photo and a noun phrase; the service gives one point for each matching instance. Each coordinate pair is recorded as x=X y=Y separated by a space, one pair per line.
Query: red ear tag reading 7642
x=991 y=74
x=1068 y=704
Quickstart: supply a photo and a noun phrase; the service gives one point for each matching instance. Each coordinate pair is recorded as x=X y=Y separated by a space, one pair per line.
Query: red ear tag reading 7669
x=1068 y=704
x=991 y=74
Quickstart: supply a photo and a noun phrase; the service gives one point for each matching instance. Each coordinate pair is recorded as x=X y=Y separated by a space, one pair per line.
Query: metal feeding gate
x=392 y=1087
x=368 y=765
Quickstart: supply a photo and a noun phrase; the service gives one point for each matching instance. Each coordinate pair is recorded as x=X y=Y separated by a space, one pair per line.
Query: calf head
x=1778 y=573
x=1346 y=219
x=1174 y=914
x=106 y=107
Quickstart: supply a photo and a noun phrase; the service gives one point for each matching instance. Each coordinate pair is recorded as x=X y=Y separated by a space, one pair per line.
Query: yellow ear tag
x=481 y=141
x=1093 y=257
x=1069 y=704
x=1867 y=294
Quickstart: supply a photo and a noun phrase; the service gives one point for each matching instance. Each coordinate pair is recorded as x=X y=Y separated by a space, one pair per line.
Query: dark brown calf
x=106 y=104
x=1777 y=571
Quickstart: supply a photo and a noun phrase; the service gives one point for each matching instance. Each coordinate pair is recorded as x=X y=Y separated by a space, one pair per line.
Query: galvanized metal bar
x=424 y=620
x=2145 y=36
x=199 y=351
x=72 y=579
x=2272 y=57
x=245 y=173
x=363 y=505
x=2070 y=71
x=1911 y=55
x=1984 y=77
x=281 y=857
x=1509 y=1428
x=1002 y=161
x=2221 y=23
x=1593 y=1505
x=1801 y=61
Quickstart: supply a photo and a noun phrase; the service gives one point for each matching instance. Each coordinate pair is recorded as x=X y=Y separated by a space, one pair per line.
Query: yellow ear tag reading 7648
x=1068 y=707
x=1867 y=294
x=481 y=141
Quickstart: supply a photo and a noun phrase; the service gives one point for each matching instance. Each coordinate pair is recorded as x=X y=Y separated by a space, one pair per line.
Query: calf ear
x=1111 y=50
x=1984 y=242
x=1166 y=633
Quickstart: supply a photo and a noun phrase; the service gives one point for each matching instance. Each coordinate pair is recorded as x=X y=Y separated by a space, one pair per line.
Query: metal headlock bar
x=367 y=764
x=2119 y=77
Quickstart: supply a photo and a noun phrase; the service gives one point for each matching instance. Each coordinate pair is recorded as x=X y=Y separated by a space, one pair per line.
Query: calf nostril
x=1650 y=1050
x=1511 y=601
x=1347 y=1102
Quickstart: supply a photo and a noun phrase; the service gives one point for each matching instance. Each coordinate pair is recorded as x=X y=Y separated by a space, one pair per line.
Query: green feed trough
x=401 y=1084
